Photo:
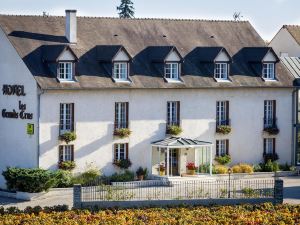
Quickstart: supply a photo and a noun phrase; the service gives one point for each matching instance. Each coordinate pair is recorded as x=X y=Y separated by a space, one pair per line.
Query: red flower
x=191 y=166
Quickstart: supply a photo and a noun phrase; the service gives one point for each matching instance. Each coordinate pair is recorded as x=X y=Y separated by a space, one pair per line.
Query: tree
x=126 y=9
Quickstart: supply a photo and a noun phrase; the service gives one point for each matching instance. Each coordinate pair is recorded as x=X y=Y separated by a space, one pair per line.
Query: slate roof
x=29 y=34
x=180 y=142
x=257 y=54
x=51 y=53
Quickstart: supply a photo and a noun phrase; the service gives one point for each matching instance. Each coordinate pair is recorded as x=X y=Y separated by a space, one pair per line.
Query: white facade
x=283 y=42
x=94 y=122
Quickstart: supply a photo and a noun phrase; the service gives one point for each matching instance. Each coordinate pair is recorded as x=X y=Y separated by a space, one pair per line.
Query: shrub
x=268 y=167
x=246 y=168
x=286 y=167
x=63 y=179
x=142 y=172
x=68 y=137
x=275 y=166
x=223 y=129
x=223 y=160
x=67 y=165
x=174 y=130
x=91 y=174
x=257 y=168
x=29 y=180
x=123 y=163
x=220 y=169
x=204 y=168
x=237 y=169
x=122 y=132
x=122 y=177
x=270 y=156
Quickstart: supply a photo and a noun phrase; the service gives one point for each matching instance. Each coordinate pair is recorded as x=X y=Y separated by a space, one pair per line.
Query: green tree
x=126 y=9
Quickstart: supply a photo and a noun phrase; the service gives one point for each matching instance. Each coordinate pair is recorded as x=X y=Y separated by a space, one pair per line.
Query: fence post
x=278 y=191
x=77 y=196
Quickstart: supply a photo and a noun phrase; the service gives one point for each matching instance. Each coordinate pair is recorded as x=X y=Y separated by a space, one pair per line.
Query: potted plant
x=68 y=137
x=273 y=130
x=161 y=169
x=141 y=173
x=174 y=130
x=223 y=129
x=66 y=165
x=122 y=132
x=123 y=163
x=191 y=168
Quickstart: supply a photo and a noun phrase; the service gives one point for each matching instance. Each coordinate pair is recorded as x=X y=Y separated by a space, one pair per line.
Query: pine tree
x=126 y=9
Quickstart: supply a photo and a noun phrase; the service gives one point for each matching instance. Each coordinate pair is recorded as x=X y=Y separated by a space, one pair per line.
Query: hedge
x=241 y=214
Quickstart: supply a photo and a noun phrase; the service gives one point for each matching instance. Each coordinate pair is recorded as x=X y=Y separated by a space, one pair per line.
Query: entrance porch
x=171 y=156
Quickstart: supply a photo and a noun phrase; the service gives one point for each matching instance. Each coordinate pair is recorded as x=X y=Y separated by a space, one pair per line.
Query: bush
x=270 y=166
x=28 y=180
x=174 y=130
x=286 y=167
x=91 y=174
x=223 y=160
x=68 y=137
x=237 y=169
x=220 y=169
x=63 y=179
x=271 y=156
x=257 y=168
x=246 y=168
x=142 y=172
x=223 y=129
x=275 y=166
x=67 y=165
x=122 y=177
x=123 y=163
x=122 y=132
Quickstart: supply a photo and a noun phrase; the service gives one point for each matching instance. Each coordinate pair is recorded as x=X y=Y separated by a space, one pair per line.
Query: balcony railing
x=223 y=122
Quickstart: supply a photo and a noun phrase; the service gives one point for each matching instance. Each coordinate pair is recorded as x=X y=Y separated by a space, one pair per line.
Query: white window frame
x=269 y=145
x=65 y=71
x=221 y=147
x=121 y=112
x=172 y=112
x=67 y=153
x=269 y=112
x=221 y=71
x=268 y=71
x=66 y=115
x=172 y=71
x=120 y=151
x=221 y=112
x=120 y=71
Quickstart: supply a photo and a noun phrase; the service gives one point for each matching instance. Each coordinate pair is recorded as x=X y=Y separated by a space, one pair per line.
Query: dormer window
x=65 y=71
x=221 y=71
x=120 y=71
x=172 y=70
x=268 y=72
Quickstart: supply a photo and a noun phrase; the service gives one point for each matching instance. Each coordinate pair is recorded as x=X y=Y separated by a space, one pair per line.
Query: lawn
x=246 y=214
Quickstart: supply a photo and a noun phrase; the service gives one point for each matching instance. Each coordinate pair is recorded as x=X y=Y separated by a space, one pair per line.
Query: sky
x=267 y=16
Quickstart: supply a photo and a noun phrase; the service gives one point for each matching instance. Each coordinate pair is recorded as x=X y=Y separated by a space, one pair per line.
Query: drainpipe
x=295 y=99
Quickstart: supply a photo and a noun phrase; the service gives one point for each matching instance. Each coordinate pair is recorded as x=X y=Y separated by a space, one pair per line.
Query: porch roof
x=179 y=142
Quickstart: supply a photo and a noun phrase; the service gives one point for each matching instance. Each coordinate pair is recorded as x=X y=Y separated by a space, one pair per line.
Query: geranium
x=191 y=166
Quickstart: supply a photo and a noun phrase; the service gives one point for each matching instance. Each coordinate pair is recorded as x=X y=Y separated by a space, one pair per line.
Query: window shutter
x=227 y=147
x=217 y=116
x=127 y=154
x=60 y=110
x=217 y=148
x=227 y=112
x=265 y=146
x=73 y=70
x=116 y=108
x=60 y=153
x=168 y=116
x=274 y=110
x=127 y=114
x=274 y=143
x=72 y=152
x=178 y=113
x=72 y=120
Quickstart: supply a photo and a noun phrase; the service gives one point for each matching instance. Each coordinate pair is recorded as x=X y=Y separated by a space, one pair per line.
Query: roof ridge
x=133 y=19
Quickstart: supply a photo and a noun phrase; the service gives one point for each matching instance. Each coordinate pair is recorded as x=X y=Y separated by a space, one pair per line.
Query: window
x=66 y=117
x=269 y=145
x=269 y=71
x=173 y=113
x=269 y=113
x=222 y=117
x=120 y=151
x=121 y=115
x=120 y=71
x=222 y=147
x=66 y=153
x=221 y=71
x=65 y=72
x=172 y=71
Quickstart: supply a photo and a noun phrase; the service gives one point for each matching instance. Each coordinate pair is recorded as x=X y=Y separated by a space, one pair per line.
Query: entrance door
x=173 y=162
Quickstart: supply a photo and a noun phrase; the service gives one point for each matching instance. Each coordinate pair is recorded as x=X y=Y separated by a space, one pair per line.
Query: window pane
x=221 y=71
x=120 y=71
x=171 y=71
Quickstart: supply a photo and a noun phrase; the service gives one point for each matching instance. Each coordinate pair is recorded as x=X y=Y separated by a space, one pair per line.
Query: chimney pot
x=71 y=26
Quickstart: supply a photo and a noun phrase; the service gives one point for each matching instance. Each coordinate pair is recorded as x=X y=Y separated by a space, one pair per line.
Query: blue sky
x=267 y=16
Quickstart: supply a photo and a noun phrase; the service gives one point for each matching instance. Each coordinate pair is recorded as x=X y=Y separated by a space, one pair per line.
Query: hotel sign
x=21 y=113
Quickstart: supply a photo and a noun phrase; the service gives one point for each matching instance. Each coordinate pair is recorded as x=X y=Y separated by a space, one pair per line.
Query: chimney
x=71 y=26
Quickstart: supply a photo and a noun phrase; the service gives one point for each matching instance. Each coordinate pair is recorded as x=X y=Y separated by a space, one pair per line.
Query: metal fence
x=103 y=190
